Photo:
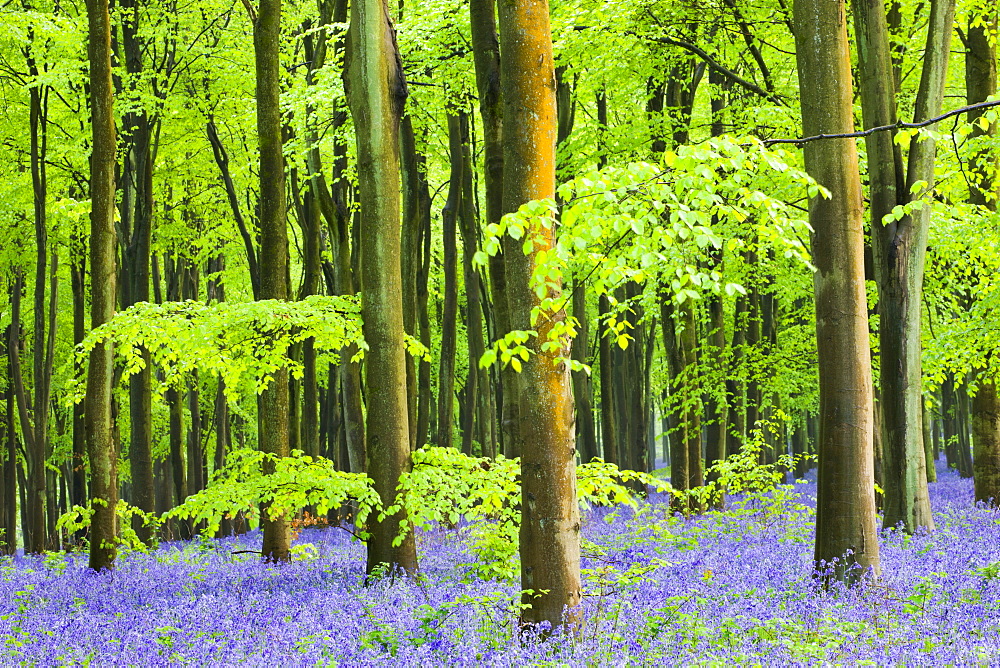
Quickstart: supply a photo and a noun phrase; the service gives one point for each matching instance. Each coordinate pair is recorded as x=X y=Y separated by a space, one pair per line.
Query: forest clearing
x=520 y=332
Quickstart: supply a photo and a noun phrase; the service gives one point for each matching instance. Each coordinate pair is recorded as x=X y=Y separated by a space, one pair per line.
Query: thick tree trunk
x=986 y=441
x=899 y=249
x=981 y=84
x=137 y=214
x=846 y=534
x=273 y=423
x=103 y=282
x=550 y=516
x=376 y=93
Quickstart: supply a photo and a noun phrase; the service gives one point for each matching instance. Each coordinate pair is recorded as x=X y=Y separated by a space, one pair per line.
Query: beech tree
x=101 y=446
x=273 y=420
x=846 y=535
x=550 y=516
x=900 y=215
x=376 y=93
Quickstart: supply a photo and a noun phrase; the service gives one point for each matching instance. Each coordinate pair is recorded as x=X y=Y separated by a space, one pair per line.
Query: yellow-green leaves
x=241 y=343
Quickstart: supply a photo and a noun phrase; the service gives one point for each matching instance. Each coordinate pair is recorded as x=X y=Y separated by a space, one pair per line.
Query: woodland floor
x=731 y=588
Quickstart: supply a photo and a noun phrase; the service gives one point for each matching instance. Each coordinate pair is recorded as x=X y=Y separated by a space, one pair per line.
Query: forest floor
x=731 y=588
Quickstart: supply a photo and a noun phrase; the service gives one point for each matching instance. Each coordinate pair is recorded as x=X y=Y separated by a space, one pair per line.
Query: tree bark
x=376 y=93
x=476 y=385
x=899 y=249
x=273 y=423
x=846 y=538
x=486 y=55
x=583 y=393
x=101 y=447
x=609 y=421
x=980 y=84
x=414 y=191
x=452 y=207
x=928 y=426
x=550 y=516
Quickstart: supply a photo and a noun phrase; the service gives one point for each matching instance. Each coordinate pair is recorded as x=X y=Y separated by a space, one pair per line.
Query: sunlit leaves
x=241 y=343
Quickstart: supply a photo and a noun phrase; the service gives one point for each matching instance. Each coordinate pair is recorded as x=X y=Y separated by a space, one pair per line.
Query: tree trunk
x=981 y=84
x=679 y=451
x=137 y=214
x=35 y=536
x=476 y=387
x=376 y=93
x=414 y=191
x=486 y=55
x=899 y=249
x=846 y=537
x=609 y=421
x=103 y=284
x=986 y=441
x=962 y=427
x=78 y=494
x=583 y=393
x=692 y=391
x=550 y=521
x=452 y=207
x=8 y=499
x=928 y=427
x=949 y=418
x=273 y=423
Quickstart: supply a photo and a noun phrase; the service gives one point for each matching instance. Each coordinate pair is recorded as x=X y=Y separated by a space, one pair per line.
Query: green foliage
x=78 y=519
x=295 y=483
x=240 y=343
x=448 y=487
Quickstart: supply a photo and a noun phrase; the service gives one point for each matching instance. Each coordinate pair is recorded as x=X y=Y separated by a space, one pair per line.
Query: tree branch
x=899 y=125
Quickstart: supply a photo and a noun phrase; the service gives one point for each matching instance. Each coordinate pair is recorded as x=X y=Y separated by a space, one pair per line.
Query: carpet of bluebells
x=732 y=588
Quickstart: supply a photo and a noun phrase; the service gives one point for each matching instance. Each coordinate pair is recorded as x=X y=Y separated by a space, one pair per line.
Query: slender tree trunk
x=928 y=426
x=452 y=207
x=8 y=487
x=425 y=398
x=692 y=389
x=101 y=447
x=376 y=93
x=273 y=422
x=609 y=421
x=962 y=425
x=476 y=388
x=679 y=451
x=550 y=516
x=583 y=393
x=35 y=536
x=414 y=188
x=78 y=495
x=845 y=520
x=949 y=416
x=486 y=54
